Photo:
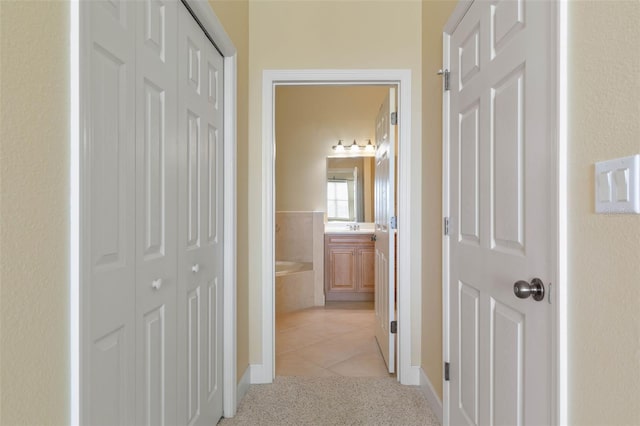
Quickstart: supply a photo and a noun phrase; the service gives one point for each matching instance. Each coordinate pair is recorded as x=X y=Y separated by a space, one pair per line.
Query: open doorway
x=408 y=328
x=325 y=139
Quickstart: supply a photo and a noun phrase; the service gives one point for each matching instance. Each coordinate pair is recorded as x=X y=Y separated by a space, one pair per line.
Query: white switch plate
x=618 y=185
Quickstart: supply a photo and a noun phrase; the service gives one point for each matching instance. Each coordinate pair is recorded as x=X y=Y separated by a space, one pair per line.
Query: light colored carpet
x=333 y=401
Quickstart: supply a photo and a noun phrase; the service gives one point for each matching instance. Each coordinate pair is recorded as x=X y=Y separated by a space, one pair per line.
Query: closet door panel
x=108 y=187
x=190 y=257
x=212 y=212
x=200 y=254
x=156 y=215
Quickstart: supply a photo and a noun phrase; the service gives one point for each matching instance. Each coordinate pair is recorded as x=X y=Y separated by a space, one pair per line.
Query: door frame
x=78 y=266
x=265 y=372
x=558 y=123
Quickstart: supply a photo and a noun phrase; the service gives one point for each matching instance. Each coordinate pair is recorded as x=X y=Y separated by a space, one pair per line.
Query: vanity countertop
x=348 y=231
x=361 y=229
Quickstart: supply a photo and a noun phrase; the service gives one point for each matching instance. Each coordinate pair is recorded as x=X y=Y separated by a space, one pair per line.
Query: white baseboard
x=432 y=396
x=259 y=374
x=410 y=376
x=243 y=385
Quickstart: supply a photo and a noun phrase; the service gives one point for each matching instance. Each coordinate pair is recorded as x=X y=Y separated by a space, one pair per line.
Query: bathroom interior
x=324 y=224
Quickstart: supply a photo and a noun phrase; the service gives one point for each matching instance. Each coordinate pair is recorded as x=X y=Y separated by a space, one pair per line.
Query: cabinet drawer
x=348 y=239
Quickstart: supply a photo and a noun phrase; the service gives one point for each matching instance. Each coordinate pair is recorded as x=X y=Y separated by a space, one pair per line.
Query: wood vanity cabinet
x=349 y=261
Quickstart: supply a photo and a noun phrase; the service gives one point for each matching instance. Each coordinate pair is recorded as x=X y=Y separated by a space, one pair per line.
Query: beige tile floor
x=336 y=340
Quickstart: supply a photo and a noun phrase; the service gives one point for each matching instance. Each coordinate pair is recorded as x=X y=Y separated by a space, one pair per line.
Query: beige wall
x=234 y=16
x=34 y=180
x=604 y=250
x=434 y=16
x=309 y=121
x=333 y=35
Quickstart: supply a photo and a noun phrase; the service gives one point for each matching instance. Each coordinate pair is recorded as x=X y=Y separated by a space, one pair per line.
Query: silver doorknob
x=523 y=289
x=374 y=237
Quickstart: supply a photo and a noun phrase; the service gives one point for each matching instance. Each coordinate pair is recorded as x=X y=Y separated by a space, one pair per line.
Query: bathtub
x=285 y=267
x=294 y=286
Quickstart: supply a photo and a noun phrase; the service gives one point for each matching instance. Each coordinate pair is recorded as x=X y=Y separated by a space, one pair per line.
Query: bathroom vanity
x=349 y=266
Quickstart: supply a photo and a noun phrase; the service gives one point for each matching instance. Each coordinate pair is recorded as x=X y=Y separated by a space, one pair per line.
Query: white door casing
x=501 y=204
x=384 y=211
x=200 y=262
x=407 y=373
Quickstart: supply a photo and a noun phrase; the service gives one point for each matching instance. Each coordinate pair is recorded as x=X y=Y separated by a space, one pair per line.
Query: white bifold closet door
x=199 y=221
x=152 y=203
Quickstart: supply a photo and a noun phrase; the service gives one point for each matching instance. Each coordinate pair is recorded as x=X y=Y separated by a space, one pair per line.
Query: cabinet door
x=341 y=269
x=366 y=264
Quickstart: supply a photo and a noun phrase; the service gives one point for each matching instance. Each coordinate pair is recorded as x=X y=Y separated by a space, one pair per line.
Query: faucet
x=353 y=227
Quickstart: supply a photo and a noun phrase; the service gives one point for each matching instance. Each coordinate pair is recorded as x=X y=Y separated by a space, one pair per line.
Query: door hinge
x=446 y=226
x=393 y=222
x=445 y=73
x=394 y=118
x=393 y=327
x=446 y=371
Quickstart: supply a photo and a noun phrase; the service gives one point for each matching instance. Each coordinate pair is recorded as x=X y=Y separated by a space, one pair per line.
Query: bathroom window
x=338 y=200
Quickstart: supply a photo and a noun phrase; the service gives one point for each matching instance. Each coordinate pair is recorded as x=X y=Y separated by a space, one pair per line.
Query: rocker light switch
x=622 y=184
x=618 y=185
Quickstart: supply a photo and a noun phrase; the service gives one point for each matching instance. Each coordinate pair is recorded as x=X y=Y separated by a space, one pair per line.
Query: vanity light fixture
x=355 y=147
x=369 y=147
x=339 y=147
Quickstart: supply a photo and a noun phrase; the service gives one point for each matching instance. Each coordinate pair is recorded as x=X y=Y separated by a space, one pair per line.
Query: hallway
x=337 y=340
x=329 y=371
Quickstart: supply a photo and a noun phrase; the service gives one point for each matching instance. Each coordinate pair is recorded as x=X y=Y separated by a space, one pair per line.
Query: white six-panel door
x=199 y=221
x=384 y=210
x=152 y=191
x=500 y=202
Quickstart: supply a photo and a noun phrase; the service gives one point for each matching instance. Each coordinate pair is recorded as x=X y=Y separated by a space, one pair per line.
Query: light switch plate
x=618 y=185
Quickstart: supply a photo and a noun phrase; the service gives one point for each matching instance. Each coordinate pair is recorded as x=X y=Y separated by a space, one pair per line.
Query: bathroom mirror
x=350 y=189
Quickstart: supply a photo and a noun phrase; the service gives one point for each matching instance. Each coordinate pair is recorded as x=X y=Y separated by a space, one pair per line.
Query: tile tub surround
x=294 y=291
x=299 y=237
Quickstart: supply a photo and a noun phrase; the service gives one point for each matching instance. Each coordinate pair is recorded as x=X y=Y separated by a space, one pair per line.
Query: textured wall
x=328 y=35
x=234 y=16
x=604 y=251
x=309 y=121
x=34 y=181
